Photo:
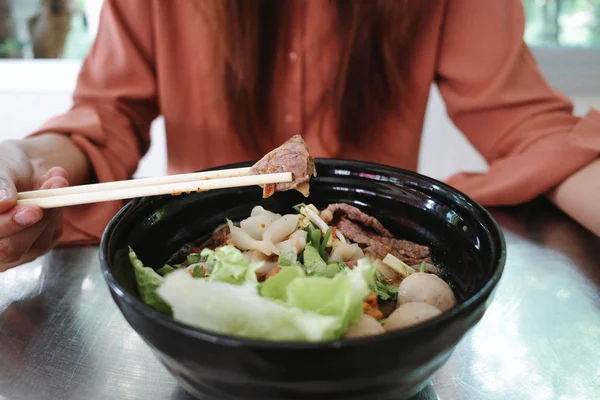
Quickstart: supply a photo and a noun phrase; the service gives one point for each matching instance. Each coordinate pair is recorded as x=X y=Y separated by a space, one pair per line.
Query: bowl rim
x=455 y=313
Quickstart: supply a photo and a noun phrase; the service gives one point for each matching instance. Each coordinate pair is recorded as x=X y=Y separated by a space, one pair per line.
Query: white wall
x=33 y=91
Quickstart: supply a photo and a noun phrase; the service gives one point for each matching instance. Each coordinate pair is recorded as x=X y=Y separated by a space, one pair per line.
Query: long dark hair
x=376 y=43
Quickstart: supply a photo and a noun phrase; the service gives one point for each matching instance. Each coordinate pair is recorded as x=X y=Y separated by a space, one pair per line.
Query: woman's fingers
x=54 y=182
x=32 y=242
x=54 y=172
x=19 y=218
x=16 y=247
x=8 y=192
x=26 y=232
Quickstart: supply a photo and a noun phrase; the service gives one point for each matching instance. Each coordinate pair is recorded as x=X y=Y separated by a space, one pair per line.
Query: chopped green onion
x=422 y=269
x=315 y=238
x=298 y=207
x=323 y=248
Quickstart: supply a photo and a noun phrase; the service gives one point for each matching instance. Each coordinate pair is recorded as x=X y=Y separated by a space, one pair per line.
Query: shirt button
x=288 y=118
x=293 y=56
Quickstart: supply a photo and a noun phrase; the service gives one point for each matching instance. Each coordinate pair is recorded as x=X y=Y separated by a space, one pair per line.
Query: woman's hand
x=579 y=196
x=26 y=232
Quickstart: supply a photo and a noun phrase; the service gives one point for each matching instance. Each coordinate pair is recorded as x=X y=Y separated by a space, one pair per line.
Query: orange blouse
x=153 y=57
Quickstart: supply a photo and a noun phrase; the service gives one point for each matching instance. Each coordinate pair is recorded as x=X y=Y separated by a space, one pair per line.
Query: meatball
x=422 y=287
x=410 y=314
x=365 y=326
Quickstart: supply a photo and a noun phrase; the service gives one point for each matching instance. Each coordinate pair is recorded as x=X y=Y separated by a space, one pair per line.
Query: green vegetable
x=422 y=269
x=298 y=207
x=315 y=238
x=123 y=270
x=193 y=258
x=287 y=258
x=198 y=272
x=240 y=310
x=148 y=282
x=383 y=287
x=230 y=265
x=313 y=261
x=165 y=270
x=275 y=287
x=342 y=296
x=333 y=269
x=323 y=248
x=314 y=309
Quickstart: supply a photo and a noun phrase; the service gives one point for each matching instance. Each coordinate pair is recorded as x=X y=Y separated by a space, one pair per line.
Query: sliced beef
x=409 y=252
x=338 y=210
x=292 y=156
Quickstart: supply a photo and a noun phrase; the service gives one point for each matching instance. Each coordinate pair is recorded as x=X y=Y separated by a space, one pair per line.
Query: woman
x=235 y=78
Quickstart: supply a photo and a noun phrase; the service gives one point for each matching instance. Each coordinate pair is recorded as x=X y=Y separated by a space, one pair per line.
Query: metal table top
x=62 y=337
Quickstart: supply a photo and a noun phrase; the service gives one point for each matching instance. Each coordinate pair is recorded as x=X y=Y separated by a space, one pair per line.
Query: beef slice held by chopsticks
x=292 y=156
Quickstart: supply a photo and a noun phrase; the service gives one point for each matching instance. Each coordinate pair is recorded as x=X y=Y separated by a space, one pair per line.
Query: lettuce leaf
x=230 y=266
x=148 y=282
x=275 y=287
x=240 y=310
x=342 y=296
x=287 y=306
x=165 y=270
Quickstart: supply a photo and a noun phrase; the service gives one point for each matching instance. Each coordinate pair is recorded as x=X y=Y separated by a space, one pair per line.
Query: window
x=566 y=23
x=564 y=35
x=47 y=29
x=66 y=28
x=565 y=38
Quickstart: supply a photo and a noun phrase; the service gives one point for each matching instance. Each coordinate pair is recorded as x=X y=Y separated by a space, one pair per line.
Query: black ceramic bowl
x=463 y=236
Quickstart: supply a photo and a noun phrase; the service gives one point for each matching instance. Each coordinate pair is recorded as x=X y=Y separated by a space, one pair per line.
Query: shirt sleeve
x=496 y=95
x=114 y=104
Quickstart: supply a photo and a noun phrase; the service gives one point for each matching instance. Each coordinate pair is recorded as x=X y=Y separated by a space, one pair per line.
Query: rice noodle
x=256 y=225
x=296 y=241
x=257 y=256
x=279 y=231
x=243 y=241
x=346 y=252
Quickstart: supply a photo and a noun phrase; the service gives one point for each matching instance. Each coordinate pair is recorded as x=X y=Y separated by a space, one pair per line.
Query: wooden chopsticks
x=133 y=188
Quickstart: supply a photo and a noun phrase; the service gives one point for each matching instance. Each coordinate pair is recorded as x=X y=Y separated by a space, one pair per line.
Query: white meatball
x=410 y=314
x=422 y=287
x=365 y=326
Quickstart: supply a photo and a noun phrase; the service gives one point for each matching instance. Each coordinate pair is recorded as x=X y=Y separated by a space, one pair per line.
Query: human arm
x=579 y=196
x=114 y=104
x=43 y=162
x=497 y=97
x=101 y=138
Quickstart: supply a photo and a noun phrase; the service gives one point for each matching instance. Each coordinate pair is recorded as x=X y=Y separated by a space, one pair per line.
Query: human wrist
x=49 y=150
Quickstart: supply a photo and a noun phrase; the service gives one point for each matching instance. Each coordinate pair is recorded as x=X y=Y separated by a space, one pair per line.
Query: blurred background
x=42 y=43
